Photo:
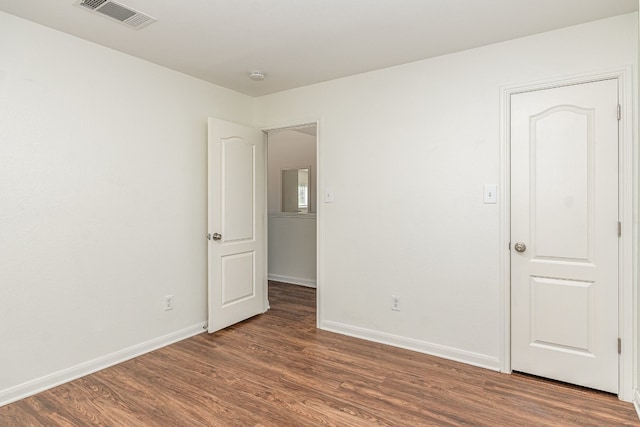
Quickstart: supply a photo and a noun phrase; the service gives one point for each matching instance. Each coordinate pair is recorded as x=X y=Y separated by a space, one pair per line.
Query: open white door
x=564 y=233
x=237 y=236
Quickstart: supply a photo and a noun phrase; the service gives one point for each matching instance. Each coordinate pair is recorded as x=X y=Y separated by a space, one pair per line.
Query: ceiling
x=300 y=42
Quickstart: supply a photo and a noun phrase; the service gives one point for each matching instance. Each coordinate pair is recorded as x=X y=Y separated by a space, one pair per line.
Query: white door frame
x=318 y=204
x=628 y=200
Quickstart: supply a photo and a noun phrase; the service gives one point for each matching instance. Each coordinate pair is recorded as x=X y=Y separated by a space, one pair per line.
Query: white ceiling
x=300 y=42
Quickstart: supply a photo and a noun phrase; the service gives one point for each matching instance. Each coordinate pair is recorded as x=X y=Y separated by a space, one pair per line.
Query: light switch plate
x=328 y=195
x=490 y=193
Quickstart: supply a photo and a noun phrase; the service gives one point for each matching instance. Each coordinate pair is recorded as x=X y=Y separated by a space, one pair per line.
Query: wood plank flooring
x=277 y=369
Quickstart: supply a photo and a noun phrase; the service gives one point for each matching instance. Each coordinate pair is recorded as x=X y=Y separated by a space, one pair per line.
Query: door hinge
x=619 y=229
x=619 y=112
x=619 y=345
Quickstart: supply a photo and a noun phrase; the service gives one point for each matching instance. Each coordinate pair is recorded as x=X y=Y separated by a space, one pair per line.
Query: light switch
x=328 y=195
x=490 y=193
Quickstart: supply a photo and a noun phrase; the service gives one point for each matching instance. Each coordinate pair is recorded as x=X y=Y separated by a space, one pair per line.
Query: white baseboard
x=636 y=401
x=55 y=379
x=470 y=358
x=294 y=280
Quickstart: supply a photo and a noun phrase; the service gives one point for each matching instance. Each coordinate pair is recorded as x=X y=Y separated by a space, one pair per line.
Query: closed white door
x=564 y=234
x=237 y=237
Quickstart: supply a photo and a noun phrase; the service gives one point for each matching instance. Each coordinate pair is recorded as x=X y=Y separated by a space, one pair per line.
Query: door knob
x=214 y=236
x=520 y=247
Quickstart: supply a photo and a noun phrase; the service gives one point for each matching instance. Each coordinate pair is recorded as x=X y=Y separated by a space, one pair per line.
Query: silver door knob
x=520 y=247
x=214 y=236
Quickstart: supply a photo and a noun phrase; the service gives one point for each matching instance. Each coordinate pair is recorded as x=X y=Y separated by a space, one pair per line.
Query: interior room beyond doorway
x=292 y=203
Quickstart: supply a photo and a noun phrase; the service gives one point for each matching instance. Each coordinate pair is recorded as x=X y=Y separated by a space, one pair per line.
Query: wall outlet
x=395 y=303
x=168 y=302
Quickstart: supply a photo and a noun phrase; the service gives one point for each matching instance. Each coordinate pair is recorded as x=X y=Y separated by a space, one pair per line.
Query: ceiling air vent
x=116 y=11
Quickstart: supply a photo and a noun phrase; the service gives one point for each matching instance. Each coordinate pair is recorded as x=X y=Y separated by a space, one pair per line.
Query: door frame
x=293 y=124
x=627 y=202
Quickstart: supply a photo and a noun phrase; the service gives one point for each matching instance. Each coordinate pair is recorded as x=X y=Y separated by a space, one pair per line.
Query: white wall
x=102 y=204
x=288 y=149
x=292 y=248
x=407 y=150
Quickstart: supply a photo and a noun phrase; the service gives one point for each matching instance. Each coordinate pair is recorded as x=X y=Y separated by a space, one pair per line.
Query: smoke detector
x=117 y=12
x=257 y=76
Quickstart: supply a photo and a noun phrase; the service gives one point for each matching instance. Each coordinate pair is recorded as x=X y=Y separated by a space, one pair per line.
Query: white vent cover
x=118 y=12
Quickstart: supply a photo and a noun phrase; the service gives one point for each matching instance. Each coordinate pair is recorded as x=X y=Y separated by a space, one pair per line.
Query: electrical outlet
x=395 y=303
x=168 y=302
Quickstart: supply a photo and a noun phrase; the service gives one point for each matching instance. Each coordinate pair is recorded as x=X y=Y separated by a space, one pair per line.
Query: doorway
x=238 y=219
x=292 y=188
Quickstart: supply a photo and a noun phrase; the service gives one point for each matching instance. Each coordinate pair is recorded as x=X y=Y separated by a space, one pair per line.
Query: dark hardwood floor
x=277 y=369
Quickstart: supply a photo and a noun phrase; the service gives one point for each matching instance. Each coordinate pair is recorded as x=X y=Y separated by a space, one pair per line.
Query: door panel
x=238 y=281
x=560 y=180
x=564 y=207
x=237 y=259
x=238 y=164
x=557 y=302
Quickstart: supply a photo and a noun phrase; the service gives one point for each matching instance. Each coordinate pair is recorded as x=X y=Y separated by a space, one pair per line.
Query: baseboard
x=470 y=358
x=636 y=401
x=294 y=280
x=57 y=378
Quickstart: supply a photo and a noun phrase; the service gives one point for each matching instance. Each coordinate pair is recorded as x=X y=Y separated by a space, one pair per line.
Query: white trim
x=69 y=374
x=628 y=165
x=450 y=353
x=504 y=201
x=636 y=401
x=319 y=224
x=627 y=199
x=293 y=280
x=292 y=215
x=265 y=247
x=292 y=124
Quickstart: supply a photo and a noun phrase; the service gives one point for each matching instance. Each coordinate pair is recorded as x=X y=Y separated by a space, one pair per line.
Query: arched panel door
x=237 y=235
x=564 y=234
